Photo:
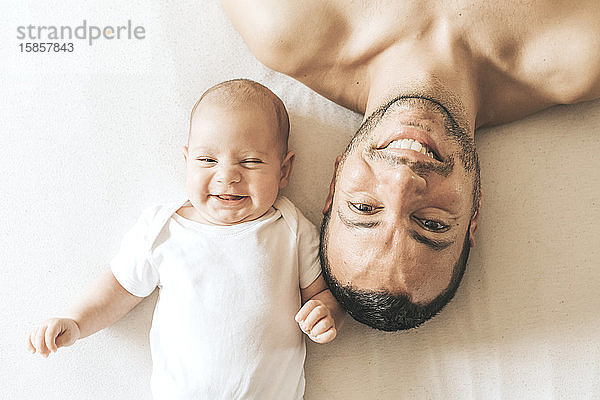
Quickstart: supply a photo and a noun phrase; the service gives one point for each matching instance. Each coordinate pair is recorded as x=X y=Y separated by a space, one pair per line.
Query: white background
x=90 y=138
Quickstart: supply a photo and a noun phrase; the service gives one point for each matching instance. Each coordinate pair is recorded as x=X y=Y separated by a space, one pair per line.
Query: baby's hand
x=52 y=334
x=316 y=321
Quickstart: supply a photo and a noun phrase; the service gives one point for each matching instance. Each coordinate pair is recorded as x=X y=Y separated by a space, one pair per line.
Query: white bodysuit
x=223 y=327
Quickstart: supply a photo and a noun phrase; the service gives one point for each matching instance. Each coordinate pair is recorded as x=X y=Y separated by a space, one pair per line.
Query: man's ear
x=184 y=150
x=329 y=199
x=286 y=169
x=474 y=222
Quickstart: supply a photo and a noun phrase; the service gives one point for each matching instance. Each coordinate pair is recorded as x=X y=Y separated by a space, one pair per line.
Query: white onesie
x=223 y=327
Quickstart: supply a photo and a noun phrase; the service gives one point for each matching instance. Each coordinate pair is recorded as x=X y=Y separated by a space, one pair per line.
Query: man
x=405 y=197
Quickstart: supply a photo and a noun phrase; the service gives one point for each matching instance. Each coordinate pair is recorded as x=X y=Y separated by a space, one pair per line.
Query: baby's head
x=237 y=157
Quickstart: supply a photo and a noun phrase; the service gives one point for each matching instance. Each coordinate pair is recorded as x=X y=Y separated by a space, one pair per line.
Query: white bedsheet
x=93 y=136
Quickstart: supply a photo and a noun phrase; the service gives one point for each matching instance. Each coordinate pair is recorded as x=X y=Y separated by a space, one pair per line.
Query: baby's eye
x=362 y=208
x=432 y=225
x=251 y=162
x=206 y=160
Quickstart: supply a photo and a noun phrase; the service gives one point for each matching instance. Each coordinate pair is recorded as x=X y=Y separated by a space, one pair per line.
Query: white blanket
x=93 y=136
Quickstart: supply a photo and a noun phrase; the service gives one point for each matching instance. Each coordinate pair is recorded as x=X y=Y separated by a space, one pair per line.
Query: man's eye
x=434 y=226
x=362 y=208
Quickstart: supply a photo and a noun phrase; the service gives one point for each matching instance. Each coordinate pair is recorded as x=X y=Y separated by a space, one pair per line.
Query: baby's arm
x=104 y=304
x=321 y=316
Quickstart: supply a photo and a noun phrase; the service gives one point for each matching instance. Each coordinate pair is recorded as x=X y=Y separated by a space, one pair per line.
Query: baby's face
x=235 y=166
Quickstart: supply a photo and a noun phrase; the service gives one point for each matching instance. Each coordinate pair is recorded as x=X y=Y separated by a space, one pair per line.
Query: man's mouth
x=412 y=144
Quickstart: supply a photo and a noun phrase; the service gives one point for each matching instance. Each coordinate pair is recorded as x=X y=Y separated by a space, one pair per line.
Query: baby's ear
x=286 y=168
x=184 y=150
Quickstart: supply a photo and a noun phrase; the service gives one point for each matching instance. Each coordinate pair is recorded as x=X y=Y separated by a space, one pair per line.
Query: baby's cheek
x=266 y=195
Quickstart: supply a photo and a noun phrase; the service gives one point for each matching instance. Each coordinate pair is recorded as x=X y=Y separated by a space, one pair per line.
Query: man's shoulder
x=283 y=35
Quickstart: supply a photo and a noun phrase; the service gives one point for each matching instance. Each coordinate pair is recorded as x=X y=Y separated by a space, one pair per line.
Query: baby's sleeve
x=132 y=266
x=309 y=265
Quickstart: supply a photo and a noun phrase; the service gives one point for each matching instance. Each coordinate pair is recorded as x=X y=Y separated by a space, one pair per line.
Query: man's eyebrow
x=356 y=224
x=432 y=244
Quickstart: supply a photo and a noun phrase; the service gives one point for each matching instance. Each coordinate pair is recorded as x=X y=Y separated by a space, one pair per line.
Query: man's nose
x=228 y=174
x=406 y=181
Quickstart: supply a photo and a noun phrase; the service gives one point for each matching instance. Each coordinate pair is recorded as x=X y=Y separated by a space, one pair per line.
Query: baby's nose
x=228 y=174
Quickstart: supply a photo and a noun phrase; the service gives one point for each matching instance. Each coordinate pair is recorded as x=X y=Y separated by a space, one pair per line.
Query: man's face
x=399 y=215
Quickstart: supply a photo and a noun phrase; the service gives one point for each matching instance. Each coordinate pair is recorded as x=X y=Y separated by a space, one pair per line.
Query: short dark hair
x=382 y=310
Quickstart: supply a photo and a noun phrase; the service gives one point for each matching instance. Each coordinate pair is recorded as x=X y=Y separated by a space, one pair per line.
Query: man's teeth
x=411 y=144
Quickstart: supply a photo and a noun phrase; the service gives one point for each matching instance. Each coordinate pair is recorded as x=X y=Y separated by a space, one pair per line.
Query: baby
x=233 y=264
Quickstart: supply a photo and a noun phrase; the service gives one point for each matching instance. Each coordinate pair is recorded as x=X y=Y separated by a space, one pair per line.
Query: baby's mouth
x=229 y=197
